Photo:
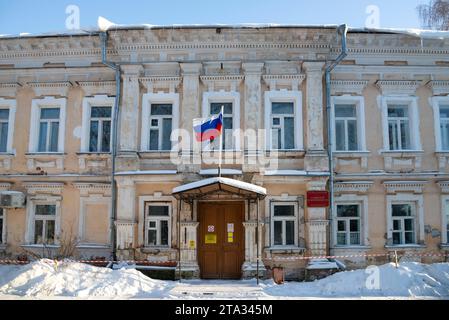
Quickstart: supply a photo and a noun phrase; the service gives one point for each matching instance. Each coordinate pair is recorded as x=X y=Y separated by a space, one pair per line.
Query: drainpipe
x=116 y=68
x=342 y=30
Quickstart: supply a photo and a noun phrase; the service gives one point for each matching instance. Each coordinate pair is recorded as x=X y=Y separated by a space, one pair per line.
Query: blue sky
x=38 y=16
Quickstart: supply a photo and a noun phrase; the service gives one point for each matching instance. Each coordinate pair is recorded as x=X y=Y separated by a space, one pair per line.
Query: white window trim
x=419 y=218
x=362 y=201
x=88 y=103
x=285 y=96
x=141 y=237
x=445 y=208
x=30 y=214
x=359 y=103
x=4 y=237
x=36 y=106
x=412 y=102
x=10 y=104
x=158 y=219
x=84 y=202
x=147 y=100
x=225 y=96
x=436 y=103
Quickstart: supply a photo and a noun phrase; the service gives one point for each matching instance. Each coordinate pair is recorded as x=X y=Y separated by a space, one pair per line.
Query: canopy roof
x=201 y=188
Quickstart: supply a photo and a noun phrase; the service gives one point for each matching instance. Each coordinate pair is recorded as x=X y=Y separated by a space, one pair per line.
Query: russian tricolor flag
x=210 y=129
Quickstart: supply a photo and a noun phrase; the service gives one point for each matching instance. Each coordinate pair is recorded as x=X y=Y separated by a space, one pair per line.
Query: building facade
x=389 y=123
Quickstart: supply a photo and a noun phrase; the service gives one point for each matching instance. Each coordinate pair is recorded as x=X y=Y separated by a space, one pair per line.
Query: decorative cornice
x=59 y=88
x=229 y=82
x=151 y=82
x=439 y=87
x=88 y=188
x=398 y=87
x=404 y=186
x=348 y=86
x=5 y=186
x=444 y=185
x=91 y=88
x=353 y=186
x=273 y=81
x=9 y=89
x=44 y=187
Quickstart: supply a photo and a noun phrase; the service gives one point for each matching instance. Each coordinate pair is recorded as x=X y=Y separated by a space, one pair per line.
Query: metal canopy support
x=257 y=241
x=179 y=239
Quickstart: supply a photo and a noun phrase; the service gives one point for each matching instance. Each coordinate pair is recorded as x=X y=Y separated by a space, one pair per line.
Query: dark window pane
x=93 y=137
x=4 y=114
x=341 y=239
x=1 y=229
x=401 y=210
x=50 y=113
x=164 y=233
x=397 y=238
x=354 y=238
x=152 y=224
x=408 y=224
x=444 y=111
x=278 y=233
x=227 y=127
x=289 y=133
x=289 y=232
x=154 y=139
x=396 y=224
x=397 y=111
x=100 y=112
x=348 y=210
x=215 y=108
x=352 y=135
x=340 y=135
x=161 y=109
x=3 y=136
x=354 y=225
x=409 y=237
x=45 y=209
x=50 y=232
x=166 y=132
x=158 y=210
x=405 y=135
x=38 y=229
x=54 y=136
x=154 y=122
x=276 y=121
x=105 y=141
x=282 y=108
x=393 y=135
x=42 y=146
x=284 y=211
x=341 y=226
x=345 y=111
x=152 y=237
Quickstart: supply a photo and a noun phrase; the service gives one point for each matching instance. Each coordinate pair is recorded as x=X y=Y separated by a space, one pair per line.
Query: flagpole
x=221 y=141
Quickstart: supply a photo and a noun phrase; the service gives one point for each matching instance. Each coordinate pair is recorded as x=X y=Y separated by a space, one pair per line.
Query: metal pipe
x=116 y=68
x=257 y=241
x=343 y=29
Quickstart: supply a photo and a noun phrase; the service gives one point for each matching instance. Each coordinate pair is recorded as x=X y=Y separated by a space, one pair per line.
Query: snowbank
x=47 y=278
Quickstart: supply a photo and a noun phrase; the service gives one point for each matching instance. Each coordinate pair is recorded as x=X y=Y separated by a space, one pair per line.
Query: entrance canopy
x=202 y=188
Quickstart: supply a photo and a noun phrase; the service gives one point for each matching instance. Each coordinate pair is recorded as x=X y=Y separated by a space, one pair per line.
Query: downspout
x=116 y=68
x=342 y=29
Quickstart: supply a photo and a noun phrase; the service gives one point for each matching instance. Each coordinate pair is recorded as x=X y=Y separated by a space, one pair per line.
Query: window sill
x=444 y=245
x=154 y=154
x=286 y=249
x=402 y=152
x=45 y=154
x=353 y=154
x=93 y=246
x=3 y=246
x=40 y=246
x=351 y=248
x=156 y=250
x=406 y=246
x=93 y=153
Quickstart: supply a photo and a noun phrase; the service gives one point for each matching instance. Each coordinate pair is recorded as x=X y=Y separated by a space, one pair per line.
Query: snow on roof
x=230 y=182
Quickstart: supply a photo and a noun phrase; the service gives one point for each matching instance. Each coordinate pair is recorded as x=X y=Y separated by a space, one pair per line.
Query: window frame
x=159 y=127
x=157 y=219
x=3 y=237
x=44 y=219
x=444 y=219
x=225 y=97
x=88 y=103
x=417 y=202
x=413 y=115
x=32 y=202
x=291 y=96
x=157 y=98
x=294 y=218
x=437 y=102
x=359 y=102
x=347 y=221
x=9 y=104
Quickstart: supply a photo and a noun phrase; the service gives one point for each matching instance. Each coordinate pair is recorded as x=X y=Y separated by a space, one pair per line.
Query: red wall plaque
x=317 y=199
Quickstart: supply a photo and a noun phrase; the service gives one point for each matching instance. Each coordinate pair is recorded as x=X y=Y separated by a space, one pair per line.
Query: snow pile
x=46 y=278
x=410 y=279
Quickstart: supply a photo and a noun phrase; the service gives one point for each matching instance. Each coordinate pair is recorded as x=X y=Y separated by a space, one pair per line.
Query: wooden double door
x=221 y=239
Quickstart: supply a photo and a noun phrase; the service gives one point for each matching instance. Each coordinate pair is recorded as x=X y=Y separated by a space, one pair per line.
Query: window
x=157 y=224
x=282 y=125
x=284 y=227
x=346 y=134
x=2 y=225
x=4 y=121
x=48 y=130
x=215 y=109
x=398 y=127
x=100 y=129
x=44 y=224
x=444 y=127
x=403 y=220
x=160 y=126
x=348 y=225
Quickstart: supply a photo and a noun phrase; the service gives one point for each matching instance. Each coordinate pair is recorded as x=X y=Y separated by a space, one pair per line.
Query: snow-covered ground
x=48 y=279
